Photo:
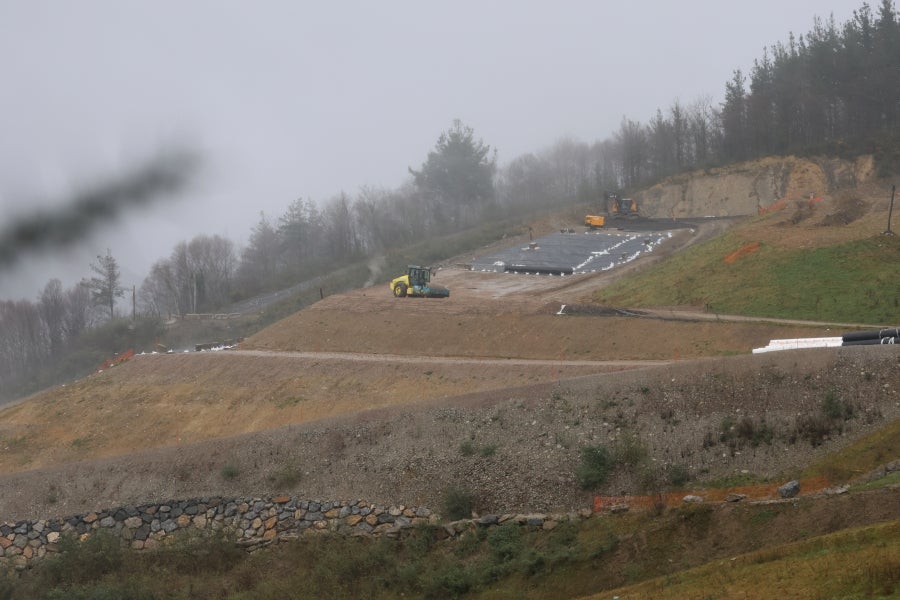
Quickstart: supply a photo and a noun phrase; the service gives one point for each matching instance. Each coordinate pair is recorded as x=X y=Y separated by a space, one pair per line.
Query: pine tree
x=105 y=286
x=459 y=173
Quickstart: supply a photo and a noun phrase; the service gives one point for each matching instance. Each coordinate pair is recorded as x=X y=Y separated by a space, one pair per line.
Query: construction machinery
x=622 y=207
x=595 y=221
x=417 y=282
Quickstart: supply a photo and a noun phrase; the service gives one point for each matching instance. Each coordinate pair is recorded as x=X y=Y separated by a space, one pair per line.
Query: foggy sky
x=289 y=99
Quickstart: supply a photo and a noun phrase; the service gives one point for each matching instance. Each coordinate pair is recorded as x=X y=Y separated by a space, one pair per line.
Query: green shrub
x=198 y=552
x=458 y=503
x=286 y=477
x=448 y=582
x=835 y=408
x=7 y=584
x=506 y=542
x=487 y=451
x=630 y=452
x=678 y=475
x=80 y=562
x=814 y=429
x=818 y=427
x=726 y=429
x=103 y=591
x=467 y=448
x=596 y=465
x=229 y=472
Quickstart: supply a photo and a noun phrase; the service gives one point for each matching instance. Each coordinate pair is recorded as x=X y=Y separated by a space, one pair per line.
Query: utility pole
x=890 y=211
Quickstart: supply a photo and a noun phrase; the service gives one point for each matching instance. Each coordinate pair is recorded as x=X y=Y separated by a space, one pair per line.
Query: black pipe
x=871 y=335
x=873 y=342
x=539 y=270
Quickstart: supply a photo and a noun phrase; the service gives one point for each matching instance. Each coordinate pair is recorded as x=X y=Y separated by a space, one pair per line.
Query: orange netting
x=780 y=204
x=751 y=247
x=117 y=359
x=764 y=210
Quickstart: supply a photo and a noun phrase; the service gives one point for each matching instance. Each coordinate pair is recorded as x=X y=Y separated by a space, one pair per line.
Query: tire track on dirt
x=450 y=360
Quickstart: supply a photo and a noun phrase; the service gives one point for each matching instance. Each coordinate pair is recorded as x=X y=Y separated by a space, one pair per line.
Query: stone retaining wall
x=255 y=521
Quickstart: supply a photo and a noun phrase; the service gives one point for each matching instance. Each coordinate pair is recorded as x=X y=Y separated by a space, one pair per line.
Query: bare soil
x=365 y=396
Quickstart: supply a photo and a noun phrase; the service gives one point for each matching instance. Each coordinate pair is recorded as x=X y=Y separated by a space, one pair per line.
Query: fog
x=287 y=99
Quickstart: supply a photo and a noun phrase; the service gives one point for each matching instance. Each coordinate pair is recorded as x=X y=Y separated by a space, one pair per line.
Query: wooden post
x=891 y=210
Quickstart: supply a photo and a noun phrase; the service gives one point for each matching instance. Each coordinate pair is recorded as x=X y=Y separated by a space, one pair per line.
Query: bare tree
x=211 y=263
x=52 y=307
x=526 y=181
x=79 y=311
x=299 y=233
x=23 y=345
x=631 y=140
x=339 y=225
x=258 y=264
x=568 y=165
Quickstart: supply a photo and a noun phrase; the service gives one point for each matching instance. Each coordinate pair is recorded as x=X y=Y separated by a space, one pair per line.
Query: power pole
x=890 y=211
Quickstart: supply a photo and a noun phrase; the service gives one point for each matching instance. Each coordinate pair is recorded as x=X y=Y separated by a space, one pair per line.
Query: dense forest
x=832 y=91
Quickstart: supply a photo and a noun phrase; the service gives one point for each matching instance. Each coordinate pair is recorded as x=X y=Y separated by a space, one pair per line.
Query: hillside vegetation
x=802 y=262
x=492 y=401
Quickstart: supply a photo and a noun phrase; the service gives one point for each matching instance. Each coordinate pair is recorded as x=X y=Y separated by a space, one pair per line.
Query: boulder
x=789 y=489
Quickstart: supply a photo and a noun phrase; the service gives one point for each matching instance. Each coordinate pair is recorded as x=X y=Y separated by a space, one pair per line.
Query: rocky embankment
x=745 y=188
x=254 y=522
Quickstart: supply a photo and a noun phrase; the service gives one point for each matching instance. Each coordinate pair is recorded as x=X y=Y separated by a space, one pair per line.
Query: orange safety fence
x=117 y=359
x=743 y=250
x=764 y=210
x=765 y=491
x=780 y=204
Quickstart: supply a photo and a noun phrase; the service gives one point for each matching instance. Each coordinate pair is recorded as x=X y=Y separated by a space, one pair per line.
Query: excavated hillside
x=747 y=188
x=363 y=395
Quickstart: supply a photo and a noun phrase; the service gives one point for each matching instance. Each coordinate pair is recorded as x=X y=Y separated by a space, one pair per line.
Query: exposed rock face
x=744 y=188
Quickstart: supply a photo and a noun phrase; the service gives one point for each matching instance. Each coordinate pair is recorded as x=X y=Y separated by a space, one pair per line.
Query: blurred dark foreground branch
x=61 y=226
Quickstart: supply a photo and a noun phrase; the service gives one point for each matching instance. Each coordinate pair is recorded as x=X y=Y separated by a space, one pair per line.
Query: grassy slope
x=859 y=563
x=851 y=282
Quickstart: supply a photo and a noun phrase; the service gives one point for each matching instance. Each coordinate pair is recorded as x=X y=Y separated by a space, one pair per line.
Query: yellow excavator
x=622 y=207
x=417 y=282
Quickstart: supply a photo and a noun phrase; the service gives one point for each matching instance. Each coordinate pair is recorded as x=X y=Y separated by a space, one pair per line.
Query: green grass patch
x=229 y=472
x=859 y=563
x=889 y=479
x=730 y=481
x=289 y=401
x=286 y=478
x=861 y=457
x=852 y=282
